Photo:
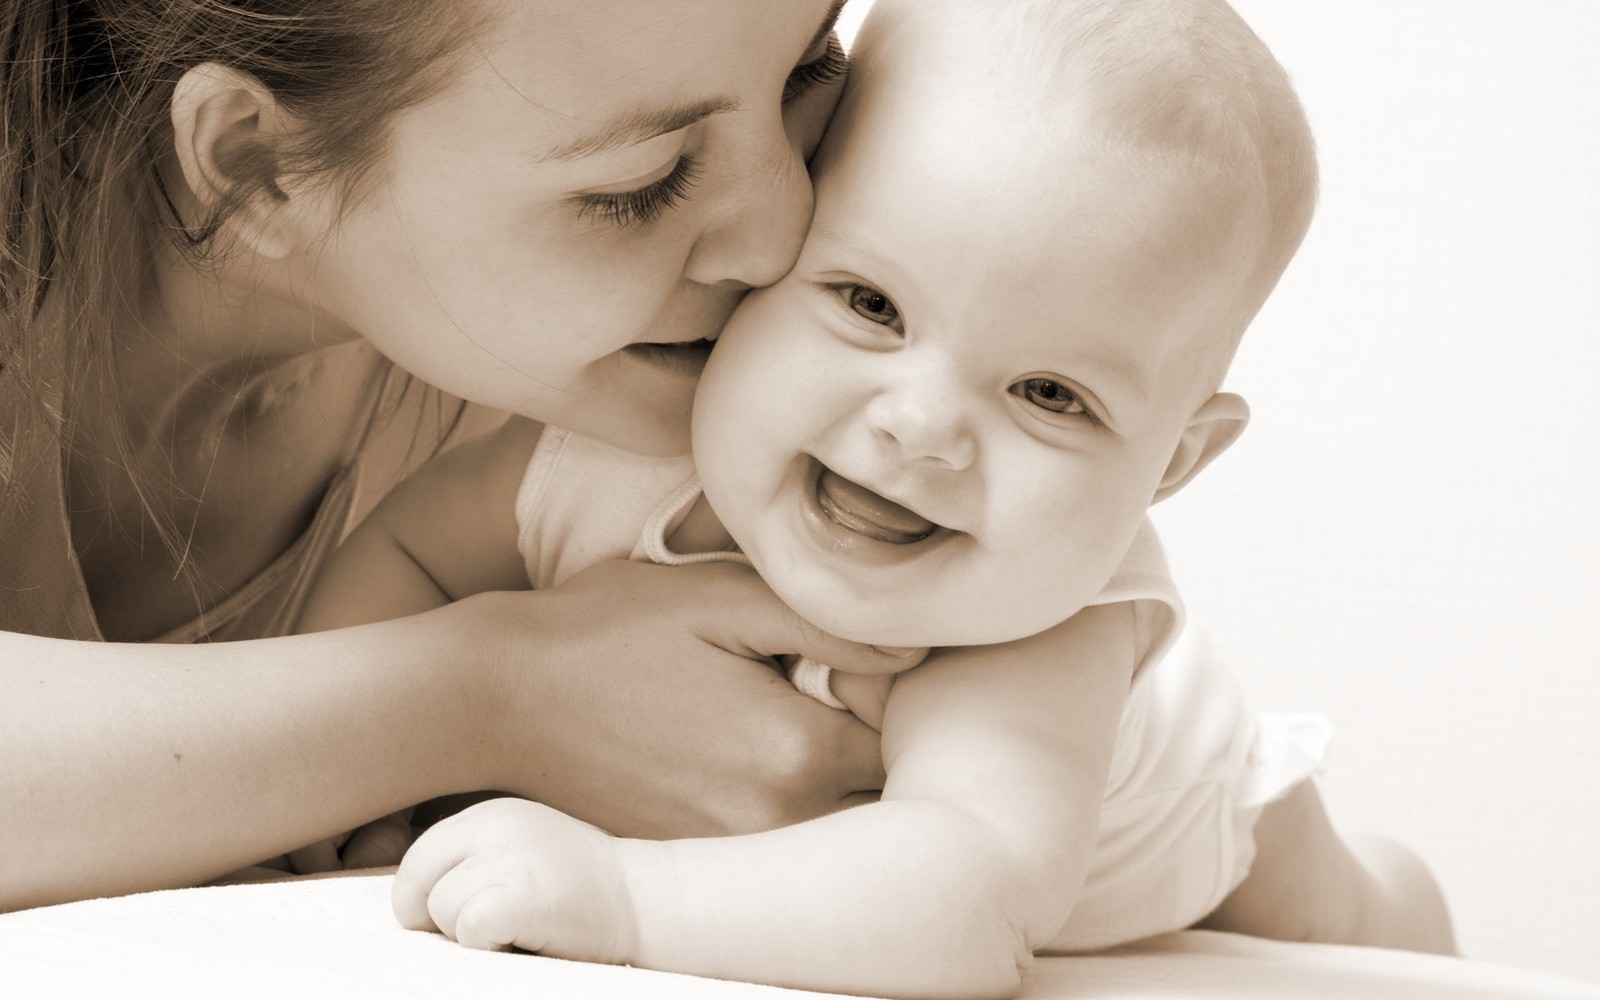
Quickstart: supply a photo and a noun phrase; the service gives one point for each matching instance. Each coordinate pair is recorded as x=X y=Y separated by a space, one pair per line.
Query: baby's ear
x=1215 y=425
x=226 y=126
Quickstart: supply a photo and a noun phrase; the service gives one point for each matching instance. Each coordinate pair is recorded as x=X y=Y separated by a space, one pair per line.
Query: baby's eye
x=871 y=304
x=1051 y=395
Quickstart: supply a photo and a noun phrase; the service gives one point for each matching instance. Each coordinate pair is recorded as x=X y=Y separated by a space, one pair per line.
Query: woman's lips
x=858 y=509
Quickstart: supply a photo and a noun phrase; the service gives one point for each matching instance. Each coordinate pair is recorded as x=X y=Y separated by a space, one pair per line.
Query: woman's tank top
x=42 y=590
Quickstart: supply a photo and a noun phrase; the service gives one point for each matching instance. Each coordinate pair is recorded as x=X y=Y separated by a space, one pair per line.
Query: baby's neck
x=700 y=531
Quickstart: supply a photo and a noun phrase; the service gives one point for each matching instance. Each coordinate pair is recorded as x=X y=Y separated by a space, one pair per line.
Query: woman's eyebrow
x=636 y=127
x=829 y=20
x=647 y=123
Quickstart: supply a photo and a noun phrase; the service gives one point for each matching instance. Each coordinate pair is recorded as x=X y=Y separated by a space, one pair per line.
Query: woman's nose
x=760 y=220
x=925 y=420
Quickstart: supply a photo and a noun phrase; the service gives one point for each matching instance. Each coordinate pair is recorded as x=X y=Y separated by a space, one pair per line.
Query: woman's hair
x=85 y=93
x=85 y=127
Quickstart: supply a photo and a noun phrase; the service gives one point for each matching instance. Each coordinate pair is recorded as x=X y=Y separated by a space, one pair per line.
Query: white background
x=1408 y=537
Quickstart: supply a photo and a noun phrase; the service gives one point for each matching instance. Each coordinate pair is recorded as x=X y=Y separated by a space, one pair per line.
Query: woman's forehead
x=590 y=63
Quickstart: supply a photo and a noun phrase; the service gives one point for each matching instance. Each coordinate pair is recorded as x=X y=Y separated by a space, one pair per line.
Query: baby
x=1041 y=227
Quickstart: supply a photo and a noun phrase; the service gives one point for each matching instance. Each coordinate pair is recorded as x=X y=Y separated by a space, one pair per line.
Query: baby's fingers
x=432 y=857
x=473 y=904
x=492 y=918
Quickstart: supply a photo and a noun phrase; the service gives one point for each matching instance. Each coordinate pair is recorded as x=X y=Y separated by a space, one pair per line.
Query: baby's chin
x=878 y=624
x=873 y=624
x=924 y=619
x=849 y=620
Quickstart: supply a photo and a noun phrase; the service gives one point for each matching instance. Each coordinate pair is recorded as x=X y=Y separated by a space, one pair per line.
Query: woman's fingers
x=323 y=856
x=660 y=713
x=765 y=626
x=865 y=695
x=378 y=844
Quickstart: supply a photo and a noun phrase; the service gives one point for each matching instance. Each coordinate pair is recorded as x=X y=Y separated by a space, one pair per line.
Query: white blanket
x=337 y=937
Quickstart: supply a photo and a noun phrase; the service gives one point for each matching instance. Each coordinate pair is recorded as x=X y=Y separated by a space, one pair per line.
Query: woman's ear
x=226 y=126
x=1215 y=425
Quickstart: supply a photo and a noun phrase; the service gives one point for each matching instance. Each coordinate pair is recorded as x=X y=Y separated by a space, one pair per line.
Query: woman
x=225 y=225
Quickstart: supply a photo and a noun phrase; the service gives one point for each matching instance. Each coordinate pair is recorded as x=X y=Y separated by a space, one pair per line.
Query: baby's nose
x=927 y=422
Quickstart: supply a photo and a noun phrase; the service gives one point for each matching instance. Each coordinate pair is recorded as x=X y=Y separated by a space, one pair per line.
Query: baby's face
x=944 y=426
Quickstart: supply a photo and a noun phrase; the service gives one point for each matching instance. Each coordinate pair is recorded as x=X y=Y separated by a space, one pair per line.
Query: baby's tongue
x=867 y=513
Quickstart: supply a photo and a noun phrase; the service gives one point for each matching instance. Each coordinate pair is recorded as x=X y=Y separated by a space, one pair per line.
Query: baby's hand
x=513 y=873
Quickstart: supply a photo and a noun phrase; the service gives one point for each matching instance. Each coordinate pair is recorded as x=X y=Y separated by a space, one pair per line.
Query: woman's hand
x=636 y=697
x=643 y=699
x=377 y=844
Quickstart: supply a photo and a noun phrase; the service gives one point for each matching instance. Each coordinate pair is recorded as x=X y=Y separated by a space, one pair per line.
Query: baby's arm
x=997 y=758
x=447 y=532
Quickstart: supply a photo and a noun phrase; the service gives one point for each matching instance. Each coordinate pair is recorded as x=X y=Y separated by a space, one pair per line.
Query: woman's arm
x=129 y=767
x=635 y=696
x=997 y=759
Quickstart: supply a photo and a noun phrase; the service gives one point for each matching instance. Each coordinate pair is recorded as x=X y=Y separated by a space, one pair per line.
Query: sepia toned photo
x=1063 y=499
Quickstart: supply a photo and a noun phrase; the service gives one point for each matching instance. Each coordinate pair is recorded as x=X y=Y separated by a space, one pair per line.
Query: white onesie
x=1192 y=766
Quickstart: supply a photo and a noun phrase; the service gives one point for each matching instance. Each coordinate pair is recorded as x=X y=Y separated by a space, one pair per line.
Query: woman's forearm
x=132 y=767
x=633 y=696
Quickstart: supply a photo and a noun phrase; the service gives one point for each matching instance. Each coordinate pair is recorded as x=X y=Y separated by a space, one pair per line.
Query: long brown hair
x=85 y=89
x=85 y=94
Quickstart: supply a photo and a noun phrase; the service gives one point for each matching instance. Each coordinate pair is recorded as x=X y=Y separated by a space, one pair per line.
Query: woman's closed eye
x=642 y=206
x=818 y=73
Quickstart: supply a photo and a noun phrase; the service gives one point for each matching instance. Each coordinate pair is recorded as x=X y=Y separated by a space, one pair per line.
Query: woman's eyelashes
x=633 y=209
x=820 y=72
x=630 y=209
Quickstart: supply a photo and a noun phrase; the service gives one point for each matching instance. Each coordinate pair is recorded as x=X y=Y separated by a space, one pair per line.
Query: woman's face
x=558 y=231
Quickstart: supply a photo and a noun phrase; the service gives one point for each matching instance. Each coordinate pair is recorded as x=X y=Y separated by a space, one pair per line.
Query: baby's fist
x=513 y=873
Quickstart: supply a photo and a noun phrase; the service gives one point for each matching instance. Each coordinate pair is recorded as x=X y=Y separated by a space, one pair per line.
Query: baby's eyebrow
x=638 y=126
x=826 y=231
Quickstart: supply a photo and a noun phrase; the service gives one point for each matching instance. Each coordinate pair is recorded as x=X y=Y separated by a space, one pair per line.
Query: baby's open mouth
x=853 y=506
